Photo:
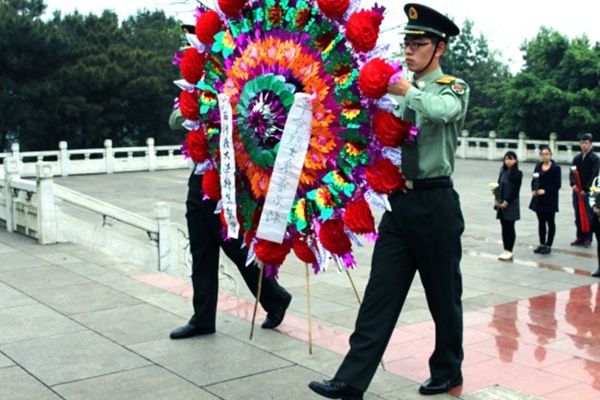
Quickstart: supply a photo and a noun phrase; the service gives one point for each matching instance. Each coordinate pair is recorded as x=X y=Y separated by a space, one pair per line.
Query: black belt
x=429 y=183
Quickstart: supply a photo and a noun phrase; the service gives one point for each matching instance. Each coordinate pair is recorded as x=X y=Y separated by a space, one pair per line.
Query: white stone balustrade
x=37 y=209
x=107 y=160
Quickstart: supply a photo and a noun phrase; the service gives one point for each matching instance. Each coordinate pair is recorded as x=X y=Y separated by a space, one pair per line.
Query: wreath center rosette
x=262 y=54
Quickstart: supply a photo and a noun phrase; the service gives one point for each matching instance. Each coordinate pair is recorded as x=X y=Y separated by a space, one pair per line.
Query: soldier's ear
x=441 y=48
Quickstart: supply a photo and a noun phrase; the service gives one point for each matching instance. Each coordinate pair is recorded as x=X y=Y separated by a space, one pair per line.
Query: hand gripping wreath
x=291 y=89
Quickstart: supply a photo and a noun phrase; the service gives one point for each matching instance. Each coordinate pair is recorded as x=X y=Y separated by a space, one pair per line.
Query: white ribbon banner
x=228 y=167
x=286 y=172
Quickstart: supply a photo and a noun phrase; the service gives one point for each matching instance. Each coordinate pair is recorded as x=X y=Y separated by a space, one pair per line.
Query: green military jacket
x=437 y=105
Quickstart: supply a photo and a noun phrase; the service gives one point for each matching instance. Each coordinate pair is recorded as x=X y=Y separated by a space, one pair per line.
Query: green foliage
x=558 y=90
x=470 y=58
x=84 y=79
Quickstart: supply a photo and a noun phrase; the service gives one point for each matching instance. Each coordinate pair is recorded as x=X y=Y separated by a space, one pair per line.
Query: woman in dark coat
x=544 y=186
x=509 y=186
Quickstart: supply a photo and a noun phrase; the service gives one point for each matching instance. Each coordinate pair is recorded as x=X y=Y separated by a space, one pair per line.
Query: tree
x=557 y=91
x=471 y=59
x=84 y=79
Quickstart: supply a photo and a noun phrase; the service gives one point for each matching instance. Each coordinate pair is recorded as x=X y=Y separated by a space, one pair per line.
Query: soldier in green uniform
x=422 y=232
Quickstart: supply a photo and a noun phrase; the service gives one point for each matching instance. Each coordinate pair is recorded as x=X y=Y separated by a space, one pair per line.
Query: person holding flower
x=508 y=207
x=584 y=169
x=544 y=201
x=423 y=229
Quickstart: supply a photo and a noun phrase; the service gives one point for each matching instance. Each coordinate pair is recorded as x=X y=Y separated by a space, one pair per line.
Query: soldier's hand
x=399 y=87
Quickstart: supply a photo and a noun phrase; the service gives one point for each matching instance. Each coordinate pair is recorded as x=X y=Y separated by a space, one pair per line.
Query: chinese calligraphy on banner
x=286 y=171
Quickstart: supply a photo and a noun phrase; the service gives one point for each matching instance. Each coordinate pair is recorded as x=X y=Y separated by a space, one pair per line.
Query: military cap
x=423 y=20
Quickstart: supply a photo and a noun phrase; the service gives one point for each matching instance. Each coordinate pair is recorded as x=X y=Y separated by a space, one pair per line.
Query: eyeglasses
x=414 y=46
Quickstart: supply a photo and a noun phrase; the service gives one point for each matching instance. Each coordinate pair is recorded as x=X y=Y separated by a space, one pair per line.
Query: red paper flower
x=211 y=184
x=334 y=238
x=188 y=105
x=197 y=145
x=231 y=8
x=384 y=177
x=358 y=217
x=374 y=78
x=208 y=25
x=362 y=30
x=192 y=65
x=389 y=129
x=302 y=250
x=333 y=8
x=272 y=253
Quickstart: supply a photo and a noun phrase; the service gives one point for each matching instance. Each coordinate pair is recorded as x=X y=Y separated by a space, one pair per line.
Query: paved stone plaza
x=78 y=324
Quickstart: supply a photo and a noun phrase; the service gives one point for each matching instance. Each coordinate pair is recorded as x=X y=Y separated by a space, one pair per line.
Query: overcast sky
x=505 y=23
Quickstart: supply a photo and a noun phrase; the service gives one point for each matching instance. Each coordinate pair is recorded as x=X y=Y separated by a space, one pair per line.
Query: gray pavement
x=76 y=324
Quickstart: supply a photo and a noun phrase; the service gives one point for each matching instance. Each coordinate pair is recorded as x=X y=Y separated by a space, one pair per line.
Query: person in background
x=587 y=164
x=508 y=208
x=544 y=202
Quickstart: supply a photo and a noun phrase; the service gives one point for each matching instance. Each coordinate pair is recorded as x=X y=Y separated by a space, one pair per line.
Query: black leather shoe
x=596 y=273
x=546 y=250
x=436 y=386
x=190 y=330
x=335 y=389
x=274 y=318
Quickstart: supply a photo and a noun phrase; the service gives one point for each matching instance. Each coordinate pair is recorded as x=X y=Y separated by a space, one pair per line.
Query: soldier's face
x=419 y=50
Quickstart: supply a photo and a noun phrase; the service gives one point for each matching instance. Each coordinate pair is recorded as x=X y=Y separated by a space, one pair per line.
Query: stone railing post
x=46 y=208
x=109 y=156
x=15 y=148
x=63 y=158
x=163 y=214
x=522 y=147
x=464 y=143
x=151 y=154
x=11 y=171
x=552 y=139
x=492 y=145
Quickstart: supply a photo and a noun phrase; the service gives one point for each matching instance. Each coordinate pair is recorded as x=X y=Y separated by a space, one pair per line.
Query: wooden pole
x=309 y=310
x=261 y=267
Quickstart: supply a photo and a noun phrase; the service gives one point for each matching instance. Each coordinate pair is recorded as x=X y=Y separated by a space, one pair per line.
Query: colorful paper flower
x=333 y=8
x=374 y=78
x=303 y=250
x=211 y=185
x=231 y=8
x=188 y=105
x=358 y=217
x=390 y=130
x=334 y=238
x=362 y=30
x=197 y=145
x=384 y=177
x=208 y=25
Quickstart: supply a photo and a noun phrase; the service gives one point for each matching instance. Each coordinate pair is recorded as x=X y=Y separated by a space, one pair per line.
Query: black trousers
x=204 y=227
x=421 y=233
x=509 y=235
x=595 y=226
x=546 y=219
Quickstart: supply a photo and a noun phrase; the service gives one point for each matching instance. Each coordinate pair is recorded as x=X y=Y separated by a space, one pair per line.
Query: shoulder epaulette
x=446 y=79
